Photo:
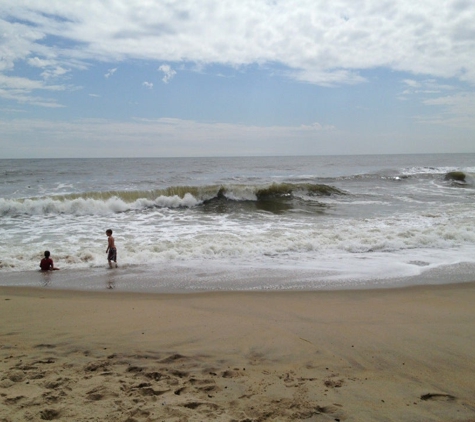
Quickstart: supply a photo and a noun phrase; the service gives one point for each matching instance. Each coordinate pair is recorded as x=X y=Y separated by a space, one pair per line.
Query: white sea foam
x=379 y=228
x=166 y=235
x=88 y=206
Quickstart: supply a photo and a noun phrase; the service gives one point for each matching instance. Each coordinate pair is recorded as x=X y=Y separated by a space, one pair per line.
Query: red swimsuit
x=46 y=264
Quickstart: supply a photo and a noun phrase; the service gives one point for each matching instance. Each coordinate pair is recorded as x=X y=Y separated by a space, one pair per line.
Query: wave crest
x=111 y=202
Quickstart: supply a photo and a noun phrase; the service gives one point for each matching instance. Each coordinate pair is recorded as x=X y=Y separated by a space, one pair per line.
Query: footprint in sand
x=49 y=414
x=333 y=382
x=100 y=393
x=195 y=405
x=230 y=373
x=155 y=376
x=98 y=365
x=173 y=358
x=438 y=396
x=145 y=389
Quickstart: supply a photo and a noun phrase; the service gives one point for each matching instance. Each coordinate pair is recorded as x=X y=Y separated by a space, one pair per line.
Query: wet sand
x=366 y=355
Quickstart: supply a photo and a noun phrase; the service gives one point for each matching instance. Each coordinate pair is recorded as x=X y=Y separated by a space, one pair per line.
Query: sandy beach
x=366 y=355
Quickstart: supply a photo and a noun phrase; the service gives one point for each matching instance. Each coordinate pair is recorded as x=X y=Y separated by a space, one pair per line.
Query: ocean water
x=260 y=223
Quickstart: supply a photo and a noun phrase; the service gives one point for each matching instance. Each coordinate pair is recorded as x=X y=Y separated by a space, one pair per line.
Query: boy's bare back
x=111 y=249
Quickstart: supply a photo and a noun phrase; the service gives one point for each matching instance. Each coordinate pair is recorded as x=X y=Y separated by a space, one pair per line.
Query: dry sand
x=368 y=355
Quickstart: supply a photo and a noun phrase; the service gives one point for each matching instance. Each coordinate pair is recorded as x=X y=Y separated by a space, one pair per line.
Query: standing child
x=46 y=263
x=111 y=249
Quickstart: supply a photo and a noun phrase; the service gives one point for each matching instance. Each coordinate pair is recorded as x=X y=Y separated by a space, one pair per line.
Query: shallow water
x=240 y=223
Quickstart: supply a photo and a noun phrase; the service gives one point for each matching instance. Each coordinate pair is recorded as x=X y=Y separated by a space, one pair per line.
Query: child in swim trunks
x=46 y=263
x=111 y=249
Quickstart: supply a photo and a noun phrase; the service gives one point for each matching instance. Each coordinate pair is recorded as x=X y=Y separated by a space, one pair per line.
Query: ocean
x=241 y=223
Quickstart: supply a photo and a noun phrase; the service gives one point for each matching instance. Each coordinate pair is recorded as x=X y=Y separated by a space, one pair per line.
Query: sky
x=167 y=78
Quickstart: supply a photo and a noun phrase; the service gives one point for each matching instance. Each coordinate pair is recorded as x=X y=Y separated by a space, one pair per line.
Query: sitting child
x=47 y=264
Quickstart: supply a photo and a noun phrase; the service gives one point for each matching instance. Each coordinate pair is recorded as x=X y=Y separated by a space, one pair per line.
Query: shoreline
x=396 y=354
x=73 y=291
x=192 y=279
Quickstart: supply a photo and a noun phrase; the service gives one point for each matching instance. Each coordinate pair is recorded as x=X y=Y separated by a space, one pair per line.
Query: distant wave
x=439 y=174
x=274 y=198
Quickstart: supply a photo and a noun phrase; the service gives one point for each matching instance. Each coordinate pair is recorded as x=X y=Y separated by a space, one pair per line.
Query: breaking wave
x=273 y=198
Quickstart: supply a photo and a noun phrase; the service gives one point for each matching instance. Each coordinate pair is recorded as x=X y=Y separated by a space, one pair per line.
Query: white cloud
x=327 y=78
x=319 y=41
x=55 y=72
x=318 y=127
x=455 y=110
x=176 y=137
x=161 y=137
x=110 y=72
x=412 y=83
x=20 y=89
x=17 y=42
x=37 y=62
x=311 y=41
x=11 y=110
x=169 y=73
x=426 y=88
x=25 y=84
x=28 y=99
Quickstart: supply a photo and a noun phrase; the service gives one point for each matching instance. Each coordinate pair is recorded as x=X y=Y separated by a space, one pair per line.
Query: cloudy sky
x=109 y=78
